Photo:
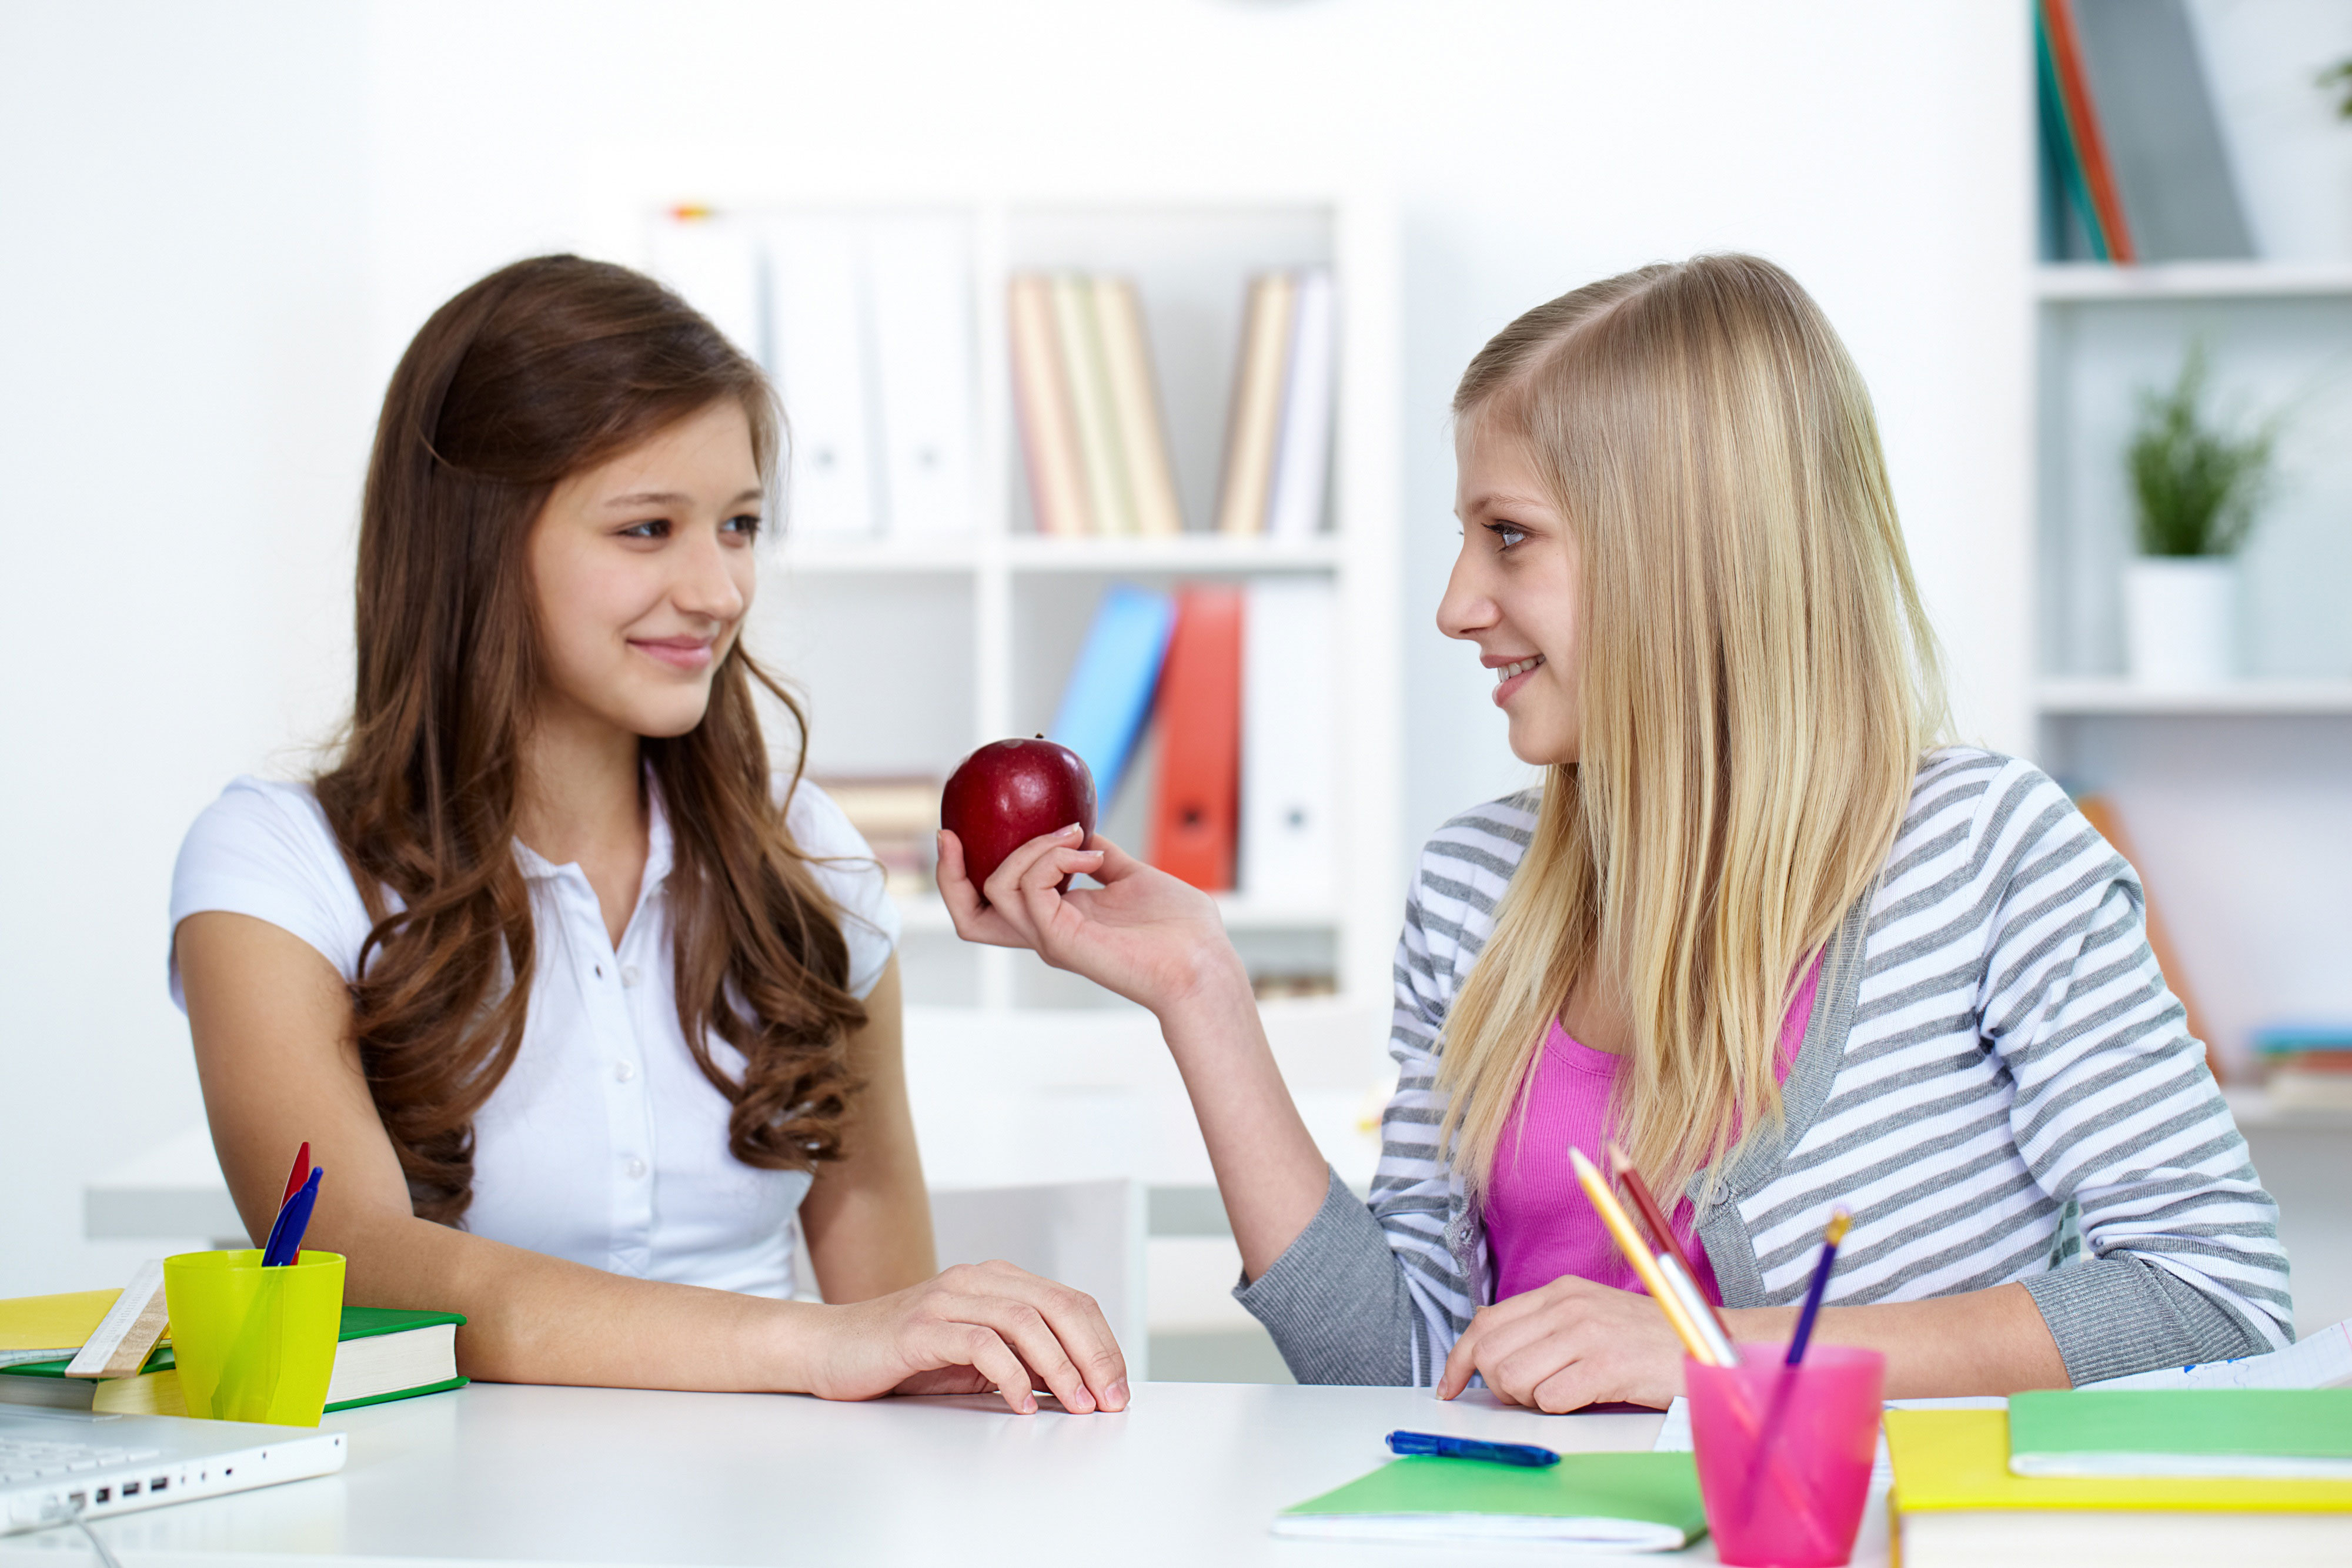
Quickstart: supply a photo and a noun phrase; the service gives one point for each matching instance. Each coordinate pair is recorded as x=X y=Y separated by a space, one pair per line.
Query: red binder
x=1196 y=813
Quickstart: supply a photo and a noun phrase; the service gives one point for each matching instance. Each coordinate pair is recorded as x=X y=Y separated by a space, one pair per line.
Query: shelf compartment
x=2089 y=282
x=2093 y=697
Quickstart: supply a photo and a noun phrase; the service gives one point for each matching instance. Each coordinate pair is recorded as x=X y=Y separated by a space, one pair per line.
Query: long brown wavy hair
x=541 y=370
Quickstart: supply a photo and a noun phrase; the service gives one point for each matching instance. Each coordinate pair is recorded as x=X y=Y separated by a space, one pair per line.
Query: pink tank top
x=1540 y=1225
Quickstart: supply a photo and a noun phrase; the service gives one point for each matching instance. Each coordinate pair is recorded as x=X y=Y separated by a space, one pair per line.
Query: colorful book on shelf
x=1603 y=1501
x=2070 y=220
x=1135 y=408
x=2083 y=132
x=1254 y=422
x=898 y=817
x=1109 y=692
x=1049 y=430
x=1194 y=816
x=2144 y=88
x=2268 y=1433
x=385 y=1354
x=2307 y=1065
x=1079 y=335
x=1956 y=1501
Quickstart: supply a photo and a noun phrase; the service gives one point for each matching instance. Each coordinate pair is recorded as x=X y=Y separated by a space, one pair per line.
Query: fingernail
x=1028 y=1405
x=1116 y=1395
x=1073 y=828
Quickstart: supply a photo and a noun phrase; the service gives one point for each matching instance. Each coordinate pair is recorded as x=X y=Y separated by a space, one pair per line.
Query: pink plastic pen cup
x=1798 y=1503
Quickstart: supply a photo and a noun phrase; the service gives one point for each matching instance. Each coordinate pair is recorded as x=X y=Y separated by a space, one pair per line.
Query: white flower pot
x=2180 y=619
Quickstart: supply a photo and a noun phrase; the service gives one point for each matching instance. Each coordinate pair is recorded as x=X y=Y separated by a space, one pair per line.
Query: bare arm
x=869 y=1216
x=1157 y=941
x=275 y=1051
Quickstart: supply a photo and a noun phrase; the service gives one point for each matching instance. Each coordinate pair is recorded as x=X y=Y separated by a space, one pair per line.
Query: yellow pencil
x=1629 y=1241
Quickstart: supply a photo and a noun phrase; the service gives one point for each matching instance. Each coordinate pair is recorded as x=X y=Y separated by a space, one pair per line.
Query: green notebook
x=1630 y=1502
x=2282 y=1433
x=385 y=1354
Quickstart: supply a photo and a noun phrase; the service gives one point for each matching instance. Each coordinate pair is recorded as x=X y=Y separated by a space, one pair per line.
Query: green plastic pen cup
x=255 y=1344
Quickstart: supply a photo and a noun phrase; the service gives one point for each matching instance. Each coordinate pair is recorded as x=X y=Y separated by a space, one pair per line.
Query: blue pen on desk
x=1526 y=1455
x=284 y=1243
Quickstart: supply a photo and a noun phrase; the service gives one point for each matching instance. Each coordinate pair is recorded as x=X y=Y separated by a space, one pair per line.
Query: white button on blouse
x=603 y=1143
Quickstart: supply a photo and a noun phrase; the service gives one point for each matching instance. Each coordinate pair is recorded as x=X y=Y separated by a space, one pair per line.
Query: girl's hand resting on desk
x=971 y=1328
x=1143 y=933
x=1568 y=1344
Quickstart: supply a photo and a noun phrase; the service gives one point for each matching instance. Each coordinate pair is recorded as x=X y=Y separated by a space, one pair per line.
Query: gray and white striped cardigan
x=1996 y=1080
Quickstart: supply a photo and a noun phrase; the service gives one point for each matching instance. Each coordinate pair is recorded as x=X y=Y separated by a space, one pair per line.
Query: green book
x=2263 y=1433
x=385 y=1354
x=1627 y=1502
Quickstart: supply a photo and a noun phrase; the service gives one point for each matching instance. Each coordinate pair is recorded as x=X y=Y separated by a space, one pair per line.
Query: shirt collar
x=659 y=854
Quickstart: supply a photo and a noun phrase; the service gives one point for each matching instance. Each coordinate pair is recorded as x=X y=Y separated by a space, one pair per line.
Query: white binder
x=1302 y=462
x=817 y=356
x=924 y=354
x=1290 y=692
x=713 y=263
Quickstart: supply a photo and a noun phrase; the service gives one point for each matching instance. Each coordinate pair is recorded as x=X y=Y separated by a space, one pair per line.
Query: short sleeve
x=845 y=865
x=265 y=850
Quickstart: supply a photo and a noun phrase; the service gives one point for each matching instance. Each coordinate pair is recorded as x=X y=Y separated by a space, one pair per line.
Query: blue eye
x=1506 y=535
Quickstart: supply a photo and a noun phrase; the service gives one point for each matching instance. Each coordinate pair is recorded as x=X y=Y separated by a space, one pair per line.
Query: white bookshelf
x=2235 y=795
x=911 y=651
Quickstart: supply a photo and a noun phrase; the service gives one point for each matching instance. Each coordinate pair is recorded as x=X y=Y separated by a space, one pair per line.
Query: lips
x=687 y=654
x=1510 y=676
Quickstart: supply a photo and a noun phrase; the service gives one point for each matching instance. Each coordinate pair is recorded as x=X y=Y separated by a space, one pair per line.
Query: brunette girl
x=583 y=1004
x=1760 y=925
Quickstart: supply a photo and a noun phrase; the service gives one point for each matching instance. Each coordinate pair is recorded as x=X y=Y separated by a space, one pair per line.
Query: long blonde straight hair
x=1757 y=682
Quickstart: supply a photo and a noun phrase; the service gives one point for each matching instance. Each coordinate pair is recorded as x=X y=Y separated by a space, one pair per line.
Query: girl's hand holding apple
x=1142 y=933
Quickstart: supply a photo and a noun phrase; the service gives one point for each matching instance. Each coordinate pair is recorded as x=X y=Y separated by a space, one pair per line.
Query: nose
x=707 y=583
x=1467 y=607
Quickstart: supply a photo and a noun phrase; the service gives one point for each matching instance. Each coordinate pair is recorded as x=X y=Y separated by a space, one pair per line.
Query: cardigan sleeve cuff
x=2119 y=1314
x=1335 y=1300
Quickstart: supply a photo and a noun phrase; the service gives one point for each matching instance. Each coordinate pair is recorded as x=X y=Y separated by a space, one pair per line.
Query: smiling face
x=642 y=567
x=1516 y=590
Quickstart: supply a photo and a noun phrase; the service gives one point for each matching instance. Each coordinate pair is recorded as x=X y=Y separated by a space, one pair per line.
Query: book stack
x=1244 y=683
x=383 y=1356
x=2307 y=1065
x=865 y=325
x=2146 y=1477
x=897 y=817
x=1090 y=427
x=2134 y=167
x=1278 y=432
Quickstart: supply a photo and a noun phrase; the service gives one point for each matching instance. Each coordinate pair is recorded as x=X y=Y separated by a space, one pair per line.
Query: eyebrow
x=1507 y=500
x=672 y=498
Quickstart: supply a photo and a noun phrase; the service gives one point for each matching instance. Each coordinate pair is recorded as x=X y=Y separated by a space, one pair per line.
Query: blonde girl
x=1760 y=925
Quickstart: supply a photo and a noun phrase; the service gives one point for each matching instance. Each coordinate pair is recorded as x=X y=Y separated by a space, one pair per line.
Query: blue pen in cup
x=1526 y=1456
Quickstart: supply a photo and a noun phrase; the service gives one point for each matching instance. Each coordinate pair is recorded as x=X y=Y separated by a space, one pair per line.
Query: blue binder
x=1109 y=694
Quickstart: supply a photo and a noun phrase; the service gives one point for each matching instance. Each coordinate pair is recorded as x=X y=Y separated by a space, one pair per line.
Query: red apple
x=1011 y=791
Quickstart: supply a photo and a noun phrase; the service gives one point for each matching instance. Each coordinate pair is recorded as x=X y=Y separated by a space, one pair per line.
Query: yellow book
x=1955 y=1501
x=42 y=1328
x=1099 y=450
x=1254 y=421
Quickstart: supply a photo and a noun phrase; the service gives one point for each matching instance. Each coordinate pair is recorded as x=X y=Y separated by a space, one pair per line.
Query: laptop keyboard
x=23 y=1460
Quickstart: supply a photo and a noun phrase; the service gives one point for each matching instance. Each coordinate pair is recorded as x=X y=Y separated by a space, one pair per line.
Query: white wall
x=239 y=220
x=183 y=415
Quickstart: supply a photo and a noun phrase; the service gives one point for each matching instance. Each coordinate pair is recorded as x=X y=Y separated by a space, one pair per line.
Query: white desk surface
x=1191 y=1473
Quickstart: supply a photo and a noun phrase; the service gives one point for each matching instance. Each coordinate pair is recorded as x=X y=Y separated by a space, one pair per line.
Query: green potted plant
x=2196 y=486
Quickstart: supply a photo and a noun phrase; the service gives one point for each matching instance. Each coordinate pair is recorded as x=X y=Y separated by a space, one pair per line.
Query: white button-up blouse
x=603 y=1143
